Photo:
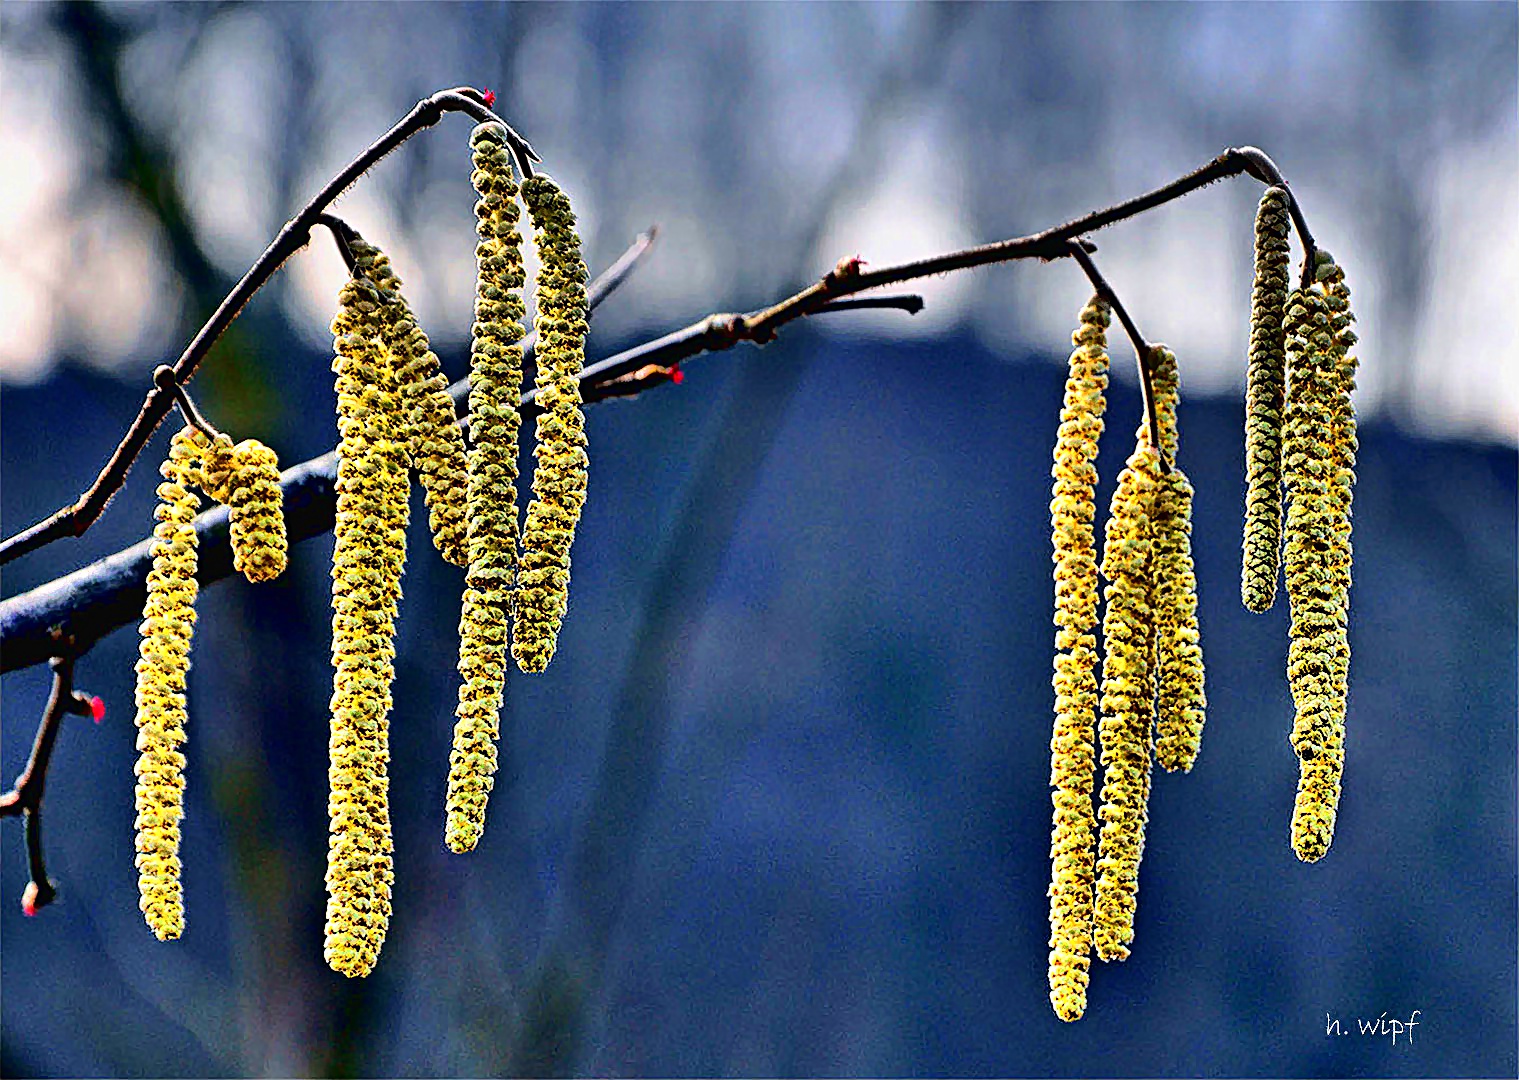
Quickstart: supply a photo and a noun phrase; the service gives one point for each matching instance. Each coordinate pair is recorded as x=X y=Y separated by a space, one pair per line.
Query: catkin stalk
x=1073 y=763
x=495 y=388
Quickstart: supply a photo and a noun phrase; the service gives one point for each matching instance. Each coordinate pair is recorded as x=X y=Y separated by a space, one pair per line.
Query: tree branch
x=74 y=519
x=104 y=595
x=25 y=796
x=109 y=593
x=1141 y=347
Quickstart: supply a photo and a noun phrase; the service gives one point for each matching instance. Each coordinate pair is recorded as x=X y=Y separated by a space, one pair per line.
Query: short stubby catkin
x=168 y=622
x=434 y=440
x=1319 y=467
x=1128 y=701
x=559 y=480
x=1266 y=381
x=1073 y=744
x=257 y=512
x=495 y=391
x=368 y=559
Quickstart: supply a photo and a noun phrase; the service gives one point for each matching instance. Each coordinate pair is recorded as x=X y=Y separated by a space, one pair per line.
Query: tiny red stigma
x=677 y=376
x=489 y=95
x=97 y=708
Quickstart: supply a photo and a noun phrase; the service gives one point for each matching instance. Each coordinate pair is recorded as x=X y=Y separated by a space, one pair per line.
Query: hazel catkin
x=1319 y=467
x=1073 y=743
x=1128 y=701
x=1181 y=701
x=368 y=559
x=1265 y=388
x=433 y=438
x=257 y=515
x=495 y=389
x=168 y=623
x=559 y=480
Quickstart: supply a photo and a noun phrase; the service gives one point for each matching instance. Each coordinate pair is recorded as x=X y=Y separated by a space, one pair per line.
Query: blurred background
x=780 y=805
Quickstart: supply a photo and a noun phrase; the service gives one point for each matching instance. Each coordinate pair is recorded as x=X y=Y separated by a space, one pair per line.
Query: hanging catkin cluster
x=1320 y=444
x=1266 y=380
x=247 y=477
x=1073 y=510
x=1152 y=701
x=559 y=481
x=368 y=559
x=495 y=389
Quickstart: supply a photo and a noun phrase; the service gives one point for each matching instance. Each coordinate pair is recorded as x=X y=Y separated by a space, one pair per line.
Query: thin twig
x=912 y=303
x=25 y=796
x=1141 y=347
x=343 y=235
x=1260 y=166
x=163 y=379
x=74 y=519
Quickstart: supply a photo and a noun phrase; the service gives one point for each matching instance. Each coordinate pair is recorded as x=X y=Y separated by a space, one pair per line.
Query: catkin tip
x=257 y=517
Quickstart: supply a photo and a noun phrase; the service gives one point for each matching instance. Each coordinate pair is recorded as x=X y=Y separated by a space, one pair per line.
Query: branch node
x=165 y=379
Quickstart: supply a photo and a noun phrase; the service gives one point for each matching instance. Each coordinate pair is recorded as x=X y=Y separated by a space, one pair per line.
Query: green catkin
x=495 y=389
x=257 y=515
x=368 y=560
x=168 y=623
x=1181 y=702
x=559 y=480
x=1073 y=762
x=434 y=440
x=1264 y=393
x=1319 y=465
x=1128 y=700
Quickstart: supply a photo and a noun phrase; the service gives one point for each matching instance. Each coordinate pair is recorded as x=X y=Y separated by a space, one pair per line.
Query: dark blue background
x=840 y=755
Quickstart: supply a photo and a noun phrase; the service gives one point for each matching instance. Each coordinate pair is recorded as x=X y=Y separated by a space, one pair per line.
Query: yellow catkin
x=1319 y=467
x=434 y=440
x=1073 y=763
x=495 y=390
x=559 y=480
x=368 y=559
x=1128 y=701
x=168 y=622
x=1266 y=381
x=213 y=472
x=257 y=513
x=1181 y=702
